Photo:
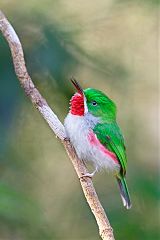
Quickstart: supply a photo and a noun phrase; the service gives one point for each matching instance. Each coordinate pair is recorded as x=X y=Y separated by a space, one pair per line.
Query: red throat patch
x=77 y=104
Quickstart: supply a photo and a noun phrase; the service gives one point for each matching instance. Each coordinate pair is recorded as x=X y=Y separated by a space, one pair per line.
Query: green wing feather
x=109 y=134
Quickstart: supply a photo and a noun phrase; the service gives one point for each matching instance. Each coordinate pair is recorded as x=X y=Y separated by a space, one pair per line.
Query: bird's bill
x=77 y=86
x=80 y=91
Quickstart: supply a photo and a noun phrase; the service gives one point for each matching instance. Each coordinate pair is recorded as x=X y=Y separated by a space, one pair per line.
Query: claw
x=90 y=175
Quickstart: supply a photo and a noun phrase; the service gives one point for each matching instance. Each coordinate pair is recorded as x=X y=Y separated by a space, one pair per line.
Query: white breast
x=78 y=129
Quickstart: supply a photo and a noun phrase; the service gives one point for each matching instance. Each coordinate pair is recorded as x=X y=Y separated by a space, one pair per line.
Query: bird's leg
x=90 y=175
x=66 y=139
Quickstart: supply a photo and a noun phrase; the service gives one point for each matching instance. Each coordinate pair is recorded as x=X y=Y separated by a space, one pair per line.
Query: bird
x=92 y=129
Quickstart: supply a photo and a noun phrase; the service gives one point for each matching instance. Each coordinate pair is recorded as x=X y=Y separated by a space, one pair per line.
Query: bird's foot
x=90 y=175
x=66 y=139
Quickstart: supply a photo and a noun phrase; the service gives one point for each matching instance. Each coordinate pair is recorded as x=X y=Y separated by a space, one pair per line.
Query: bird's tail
x=124 y=192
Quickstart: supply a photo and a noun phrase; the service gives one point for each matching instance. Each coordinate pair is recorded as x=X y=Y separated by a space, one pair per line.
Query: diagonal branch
x=105 y=230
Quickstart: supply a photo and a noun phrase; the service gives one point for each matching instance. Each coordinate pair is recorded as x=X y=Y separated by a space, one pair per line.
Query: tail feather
x=124 y=192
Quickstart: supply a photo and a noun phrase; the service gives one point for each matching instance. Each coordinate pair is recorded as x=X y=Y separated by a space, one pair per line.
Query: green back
x=107 y=131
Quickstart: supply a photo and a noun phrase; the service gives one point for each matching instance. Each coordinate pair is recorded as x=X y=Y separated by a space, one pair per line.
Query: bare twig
x=57 y=127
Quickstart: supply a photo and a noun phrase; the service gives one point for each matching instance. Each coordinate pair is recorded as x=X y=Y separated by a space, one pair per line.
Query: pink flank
x=94 y=141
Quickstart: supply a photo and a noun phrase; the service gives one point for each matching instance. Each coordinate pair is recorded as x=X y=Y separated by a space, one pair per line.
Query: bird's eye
x=94 y=103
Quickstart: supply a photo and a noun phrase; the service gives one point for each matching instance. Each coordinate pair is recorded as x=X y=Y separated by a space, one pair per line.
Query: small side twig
x=57 y=127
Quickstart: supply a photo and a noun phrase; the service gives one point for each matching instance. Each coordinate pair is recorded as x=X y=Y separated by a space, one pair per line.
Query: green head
x=100 y=105
x=92 y=101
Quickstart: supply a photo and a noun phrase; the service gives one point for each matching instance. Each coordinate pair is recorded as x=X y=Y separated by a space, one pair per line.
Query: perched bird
x=92 y=129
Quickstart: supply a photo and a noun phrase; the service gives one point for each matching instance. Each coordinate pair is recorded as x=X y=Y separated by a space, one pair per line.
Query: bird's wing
x=109 y=134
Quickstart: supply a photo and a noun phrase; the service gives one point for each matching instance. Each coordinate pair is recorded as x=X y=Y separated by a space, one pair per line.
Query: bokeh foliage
x=106 y=44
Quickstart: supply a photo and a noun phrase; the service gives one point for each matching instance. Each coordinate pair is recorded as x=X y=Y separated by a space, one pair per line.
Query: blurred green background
x=106 y=44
